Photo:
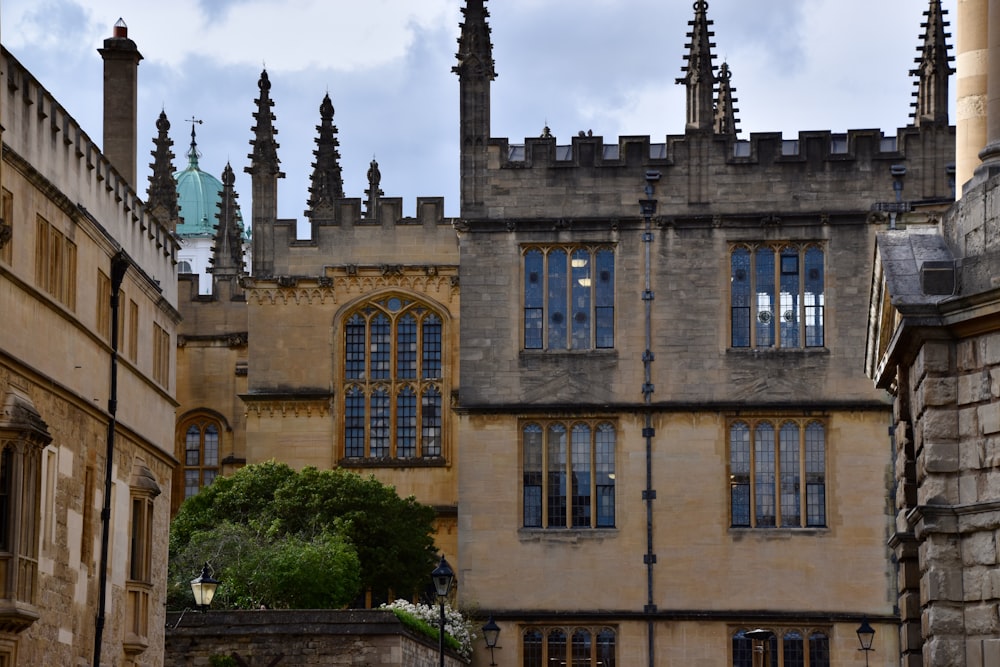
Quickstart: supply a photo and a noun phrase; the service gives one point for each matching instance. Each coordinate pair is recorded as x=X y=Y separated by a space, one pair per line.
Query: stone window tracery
x=777 y=473
x=777 y=296
x=393 y=380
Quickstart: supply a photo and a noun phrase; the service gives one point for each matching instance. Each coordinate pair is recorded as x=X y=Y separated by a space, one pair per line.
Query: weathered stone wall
x=56 y=351
x=947 y=415
x=299 y=639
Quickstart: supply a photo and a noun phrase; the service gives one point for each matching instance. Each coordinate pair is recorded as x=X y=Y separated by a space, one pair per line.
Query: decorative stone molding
x=288 y=407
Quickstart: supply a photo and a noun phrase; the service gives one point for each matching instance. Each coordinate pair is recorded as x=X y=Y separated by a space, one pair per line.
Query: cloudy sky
x=603 y=65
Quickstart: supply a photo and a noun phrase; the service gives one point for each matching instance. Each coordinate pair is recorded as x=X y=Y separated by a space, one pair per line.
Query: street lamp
x=759 y=639
x=491 y=633
x=866 y=634
x=443 y=577
x=203 y=587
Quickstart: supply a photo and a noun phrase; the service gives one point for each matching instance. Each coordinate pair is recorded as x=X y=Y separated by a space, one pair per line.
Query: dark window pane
x=354 y=423
x=534 y=299
x=765 y=305
x=532 y=649
x=557 y=294
x=604 y=297
x=764 y=482
x=354 y=348
x=211 y=445
x=406 y=423
x=556 y=491
x=532 y=465
x=406 y=347
x=379 y=424
x=790 y=485
x=381 y=345
x=431 y=348
x=580 y=457
x=430 y=432
x=740 y=296
x=581 y=290
x=814 y=297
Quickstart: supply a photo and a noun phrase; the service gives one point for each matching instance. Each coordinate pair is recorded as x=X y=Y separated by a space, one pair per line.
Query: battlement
x=343 y=233
x=350 y=212
x=38 y=130
x=762 y=147
x=705 y=172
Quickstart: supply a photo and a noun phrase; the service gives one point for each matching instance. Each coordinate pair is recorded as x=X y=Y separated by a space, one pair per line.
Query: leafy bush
x=304 y=540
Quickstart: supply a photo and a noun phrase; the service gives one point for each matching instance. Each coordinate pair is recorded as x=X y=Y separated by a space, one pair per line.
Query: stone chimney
x=121 y=66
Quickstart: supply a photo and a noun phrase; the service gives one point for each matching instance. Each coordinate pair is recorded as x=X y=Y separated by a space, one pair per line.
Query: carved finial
x=933 y=70
x=725 y=105
x=227 y=253
x=161 y=195
x=699 y=71
x=327 y=183
x=264 y=158
x=475 y=51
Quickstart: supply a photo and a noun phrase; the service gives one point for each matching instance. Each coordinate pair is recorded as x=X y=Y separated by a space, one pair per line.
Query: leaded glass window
x=777 y=296
x=393 y=409
x=201 y=454
x=568 y=647
x=569 y=299
x=572 y=467
x=768 y=460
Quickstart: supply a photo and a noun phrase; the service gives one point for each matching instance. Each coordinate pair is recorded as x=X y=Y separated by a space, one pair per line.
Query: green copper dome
x=198 y=196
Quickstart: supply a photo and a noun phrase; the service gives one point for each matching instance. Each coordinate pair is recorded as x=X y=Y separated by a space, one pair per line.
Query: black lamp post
x=491 y=633
x=203 y=587
x=443 y=577
x=866 y=634
x=759 y=639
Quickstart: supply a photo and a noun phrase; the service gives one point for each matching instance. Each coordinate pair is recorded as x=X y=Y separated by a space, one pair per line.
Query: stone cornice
x=288 y=405
x=351 y=280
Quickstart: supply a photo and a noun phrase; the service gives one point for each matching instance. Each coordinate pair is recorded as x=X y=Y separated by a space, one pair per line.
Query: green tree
x=313 y=539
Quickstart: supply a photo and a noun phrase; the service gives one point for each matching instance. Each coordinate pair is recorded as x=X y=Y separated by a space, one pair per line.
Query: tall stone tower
x=121 y=66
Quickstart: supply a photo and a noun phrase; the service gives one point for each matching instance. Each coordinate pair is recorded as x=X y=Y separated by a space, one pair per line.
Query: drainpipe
x=648 y=208
x=119 y=264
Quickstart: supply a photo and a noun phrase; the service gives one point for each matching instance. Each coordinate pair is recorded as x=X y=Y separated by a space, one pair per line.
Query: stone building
x=646 y=424
x=934 y=344
x=86 y=382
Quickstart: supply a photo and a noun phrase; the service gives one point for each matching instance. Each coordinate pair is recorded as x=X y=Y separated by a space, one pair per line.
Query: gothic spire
x=327 y=183
x=725 y=105
x=193 y=153
x=475 y=75
x=264 y=173
x=374 y=192
x=227 y=253
x=699 y=71
x=933 y=69
x=264 y=158
x=161 y=195
x=475 y=51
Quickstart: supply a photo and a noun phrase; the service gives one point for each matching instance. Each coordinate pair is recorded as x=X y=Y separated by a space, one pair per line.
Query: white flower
x=455 y=624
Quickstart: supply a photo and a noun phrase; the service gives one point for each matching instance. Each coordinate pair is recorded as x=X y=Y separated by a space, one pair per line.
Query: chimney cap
x=121 y=30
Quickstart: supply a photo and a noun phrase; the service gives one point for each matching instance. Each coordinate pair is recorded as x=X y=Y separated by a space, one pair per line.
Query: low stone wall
x=269 y=638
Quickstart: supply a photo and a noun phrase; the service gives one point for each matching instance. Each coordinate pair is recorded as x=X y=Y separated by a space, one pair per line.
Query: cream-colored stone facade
x=67 y=215
x=655 y=546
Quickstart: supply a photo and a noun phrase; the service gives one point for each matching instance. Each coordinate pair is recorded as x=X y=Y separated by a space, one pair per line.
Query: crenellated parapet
x=42 y=140
x=349 y=235
x=816 y=169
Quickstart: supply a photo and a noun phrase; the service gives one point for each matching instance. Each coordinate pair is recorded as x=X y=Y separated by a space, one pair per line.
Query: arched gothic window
x=393 y=380
x=201 y=439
